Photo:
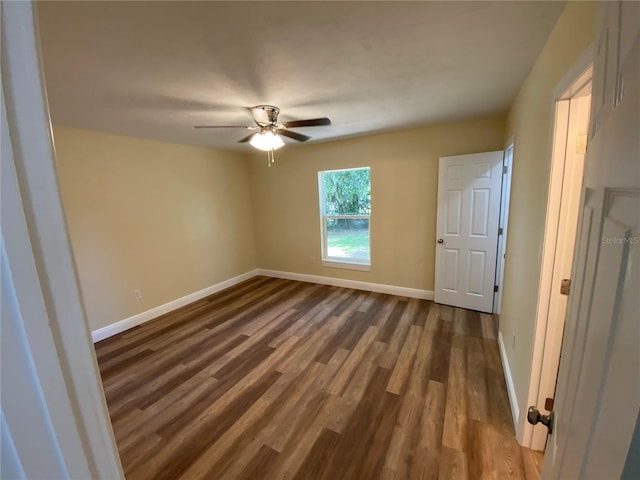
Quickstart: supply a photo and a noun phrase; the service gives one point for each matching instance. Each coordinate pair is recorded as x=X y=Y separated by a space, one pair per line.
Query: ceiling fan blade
x=246 y=139
x=222 y=126
x=296 y=136
x=312 y=122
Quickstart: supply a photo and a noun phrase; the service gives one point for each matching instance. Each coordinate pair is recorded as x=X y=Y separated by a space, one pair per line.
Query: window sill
x=366 y=267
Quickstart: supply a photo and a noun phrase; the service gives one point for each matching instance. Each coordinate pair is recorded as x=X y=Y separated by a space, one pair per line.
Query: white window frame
x=340 y=262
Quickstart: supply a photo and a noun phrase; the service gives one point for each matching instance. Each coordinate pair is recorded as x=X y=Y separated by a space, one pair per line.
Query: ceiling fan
x=268 y=136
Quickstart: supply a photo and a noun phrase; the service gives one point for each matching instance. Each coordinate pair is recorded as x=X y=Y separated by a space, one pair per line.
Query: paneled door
x=467 y=229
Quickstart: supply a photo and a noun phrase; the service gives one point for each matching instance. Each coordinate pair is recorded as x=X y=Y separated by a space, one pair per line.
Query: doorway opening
x=571 y=126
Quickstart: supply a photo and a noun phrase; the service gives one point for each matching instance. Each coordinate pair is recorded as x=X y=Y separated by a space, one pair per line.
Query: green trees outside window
x=345 y=208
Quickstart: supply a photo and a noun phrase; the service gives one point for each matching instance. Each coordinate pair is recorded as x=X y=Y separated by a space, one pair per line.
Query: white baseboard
x=511 y=389
x=340 y=282
x=140 y=318
x=135 y=320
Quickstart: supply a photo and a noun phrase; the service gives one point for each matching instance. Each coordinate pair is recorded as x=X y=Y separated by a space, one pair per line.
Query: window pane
x=347 y=192
x=348 y=238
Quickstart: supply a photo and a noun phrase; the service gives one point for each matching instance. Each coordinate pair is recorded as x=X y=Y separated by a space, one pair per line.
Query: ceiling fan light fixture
x=266 y=141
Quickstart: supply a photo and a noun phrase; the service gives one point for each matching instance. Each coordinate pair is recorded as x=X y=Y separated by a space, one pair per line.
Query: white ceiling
x=155 y=69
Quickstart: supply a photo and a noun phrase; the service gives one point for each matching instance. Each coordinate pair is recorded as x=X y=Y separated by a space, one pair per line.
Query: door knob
x=534 y=417
x=440 y=240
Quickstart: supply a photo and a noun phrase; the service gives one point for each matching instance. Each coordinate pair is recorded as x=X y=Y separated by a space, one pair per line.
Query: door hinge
x=565 y=286
x=495 y=288
x=500 y=230
x=505 y=169
x=582 y=144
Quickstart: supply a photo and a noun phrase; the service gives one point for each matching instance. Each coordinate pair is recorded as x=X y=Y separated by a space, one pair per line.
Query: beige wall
x=163 y=218
x=404 y=179
x=530 y=123
x=172 y=219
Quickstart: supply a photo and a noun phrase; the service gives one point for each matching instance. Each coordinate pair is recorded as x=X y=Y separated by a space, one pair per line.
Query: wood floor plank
x=402 y=329
x=453 y=465
x=392 y=322
x=276 y=379
x=316 y=460
x=405 y=435
x=443 y=331
x=432 y=419
x=405 y=361
x=347 y=460
x=478 y=406
x=346 y=372
x=347 y=336
x=230 y=405
x=141 y=450
x=355 y=390
x=532 y=462
x=238 y=446
x=489 y=326
x=498 y=400
x=314 y=422
x=259 y=464
x=454 y=435
x=374 y=456
x=383 y=309
x=174 y=459
x=177 y=408
x=299 y=414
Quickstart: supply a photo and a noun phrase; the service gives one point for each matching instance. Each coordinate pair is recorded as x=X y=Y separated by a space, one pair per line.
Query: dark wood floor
x=275 y=379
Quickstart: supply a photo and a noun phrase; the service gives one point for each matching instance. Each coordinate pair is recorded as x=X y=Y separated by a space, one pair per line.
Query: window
x=345 y=207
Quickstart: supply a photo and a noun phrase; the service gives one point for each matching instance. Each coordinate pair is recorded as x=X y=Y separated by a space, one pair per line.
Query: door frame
x=544 y=364
x=503 y=223
x=57 y=350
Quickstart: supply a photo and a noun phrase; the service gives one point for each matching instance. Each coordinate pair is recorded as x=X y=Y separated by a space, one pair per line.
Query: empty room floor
x=274 y=379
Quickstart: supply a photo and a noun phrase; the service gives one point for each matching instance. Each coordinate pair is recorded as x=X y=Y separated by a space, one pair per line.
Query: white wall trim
x=503 y=222
x=547 y=333
x=355 y=284
x=562 y=90
x=140 y=318
x=511 y=389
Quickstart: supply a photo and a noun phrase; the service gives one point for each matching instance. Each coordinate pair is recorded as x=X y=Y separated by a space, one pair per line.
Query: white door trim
x=503 y=223
x=579 y=73
x=42 y=268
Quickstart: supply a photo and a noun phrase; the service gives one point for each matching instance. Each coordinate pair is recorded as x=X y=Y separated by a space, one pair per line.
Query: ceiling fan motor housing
x=265 y=115
x=266 y=120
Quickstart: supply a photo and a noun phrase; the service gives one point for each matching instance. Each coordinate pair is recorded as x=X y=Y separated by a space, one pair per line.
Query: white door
x=467 y=229
x=598 y=391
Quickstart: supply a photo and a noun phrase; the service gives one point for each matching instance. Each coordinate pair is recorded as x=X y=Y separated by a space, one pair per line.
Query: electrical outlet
x=137 y=293
x=312 y=259
x=513 y=341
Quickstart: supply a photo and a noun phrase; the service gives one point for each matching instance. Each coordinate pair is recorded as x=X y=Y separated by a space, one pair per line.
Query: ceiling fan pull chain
x=270 y=159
